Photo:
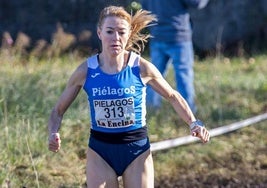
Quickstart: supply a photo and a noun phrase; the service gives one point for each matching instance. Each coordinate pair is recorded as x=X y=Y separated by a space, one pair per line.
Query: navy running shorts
x=119 y=156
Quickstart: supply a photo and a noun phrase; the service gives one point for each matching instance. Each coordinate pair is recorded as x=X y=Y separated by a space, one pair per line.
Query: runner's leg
x=140 y=173
x=99 y=173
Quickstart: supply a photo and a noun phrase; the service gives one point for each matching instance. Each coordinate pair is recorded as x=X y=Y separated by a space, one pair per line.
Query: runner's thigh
x=98 y=172
x=140 y=173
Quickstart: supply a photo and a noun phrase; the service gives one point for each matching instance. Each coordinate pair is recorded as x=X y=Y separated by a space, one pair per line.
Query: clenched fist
x=200 y=132
x=54 y=142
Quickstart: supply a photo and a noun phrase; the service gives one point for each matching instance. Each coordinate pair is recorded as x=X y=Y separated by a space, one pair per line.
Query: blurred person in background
x=172 y=41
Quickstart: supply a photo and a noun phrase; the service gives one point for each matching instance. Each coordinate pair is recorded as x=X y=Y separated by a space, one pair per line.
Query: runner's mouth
x=115 y=46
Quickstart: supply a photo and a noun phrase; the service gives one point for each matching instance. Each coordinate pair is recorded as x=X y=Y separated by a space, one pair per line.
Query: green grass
x=228 y=90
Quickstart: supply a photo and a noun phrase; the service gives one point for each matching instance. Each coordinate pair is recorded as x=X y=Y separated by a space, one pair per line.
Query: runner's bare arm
x=69 y=94
x=150 y=75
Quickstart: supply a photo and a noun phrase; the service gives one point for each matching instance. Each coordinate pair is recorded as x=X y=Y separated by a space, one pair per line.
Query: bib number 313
x=115 y=112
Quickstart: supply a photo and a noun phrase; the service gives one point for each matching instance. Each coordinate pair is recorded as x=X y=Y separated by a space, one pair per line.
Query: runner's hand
x=54 y=142
x=200 y=132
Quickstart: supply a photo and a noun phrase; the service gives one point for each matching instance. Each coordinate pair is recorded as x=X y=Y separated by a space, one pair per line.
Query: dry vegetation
x=228 y=90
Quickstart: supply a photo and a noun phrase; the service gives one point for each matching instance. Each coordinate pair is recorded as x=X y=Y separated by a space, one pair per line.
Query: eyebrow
x=115 y=28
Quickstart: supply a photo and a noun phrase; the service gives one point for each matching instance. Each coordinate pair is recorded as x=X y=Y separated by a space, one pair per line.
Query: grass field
x=228 y=90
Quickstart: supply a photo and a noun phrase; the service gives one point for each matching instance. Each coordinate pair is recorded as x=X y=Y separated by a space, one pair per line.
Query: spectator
x=172 y=41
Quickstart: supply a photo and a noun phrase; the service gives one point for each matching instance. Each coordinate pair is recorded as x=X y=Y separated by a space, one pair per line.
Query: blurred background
x=231 y=27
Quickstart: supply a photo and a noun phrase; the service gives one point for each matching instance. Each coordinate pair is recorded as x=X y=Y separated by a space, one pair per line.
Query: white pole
x=213 y=132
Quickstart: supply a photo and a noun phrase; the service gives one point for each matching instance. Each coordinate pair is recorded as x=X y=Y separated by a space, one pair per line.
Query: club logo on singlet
x=102 y=91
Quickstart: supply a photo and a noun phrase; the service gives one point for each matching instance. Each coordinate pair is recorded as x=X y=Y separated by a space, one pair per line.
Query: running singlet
x=117 y=101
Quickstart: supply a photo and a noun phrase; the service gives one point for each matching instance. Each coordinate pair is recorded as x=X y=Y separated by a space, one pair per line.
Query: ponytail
x=140 y=20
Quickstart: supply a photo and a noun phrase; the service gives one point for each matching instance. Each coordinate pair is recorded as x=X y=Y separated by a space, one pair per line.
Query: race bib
x=114 y=113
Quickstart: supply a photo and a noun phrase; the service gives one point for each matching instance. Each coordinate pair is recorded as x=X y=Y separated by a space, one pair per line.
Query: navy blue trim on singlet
x=120 y=138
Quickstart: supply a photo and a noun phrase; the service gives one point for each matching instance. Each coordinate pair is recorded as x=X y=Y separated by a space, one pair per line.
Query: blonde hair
x=140 y=20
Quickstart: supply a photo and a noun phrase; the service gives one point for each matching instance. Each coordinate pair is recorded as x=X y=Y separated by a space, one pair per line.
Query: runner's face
x=114 y=34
